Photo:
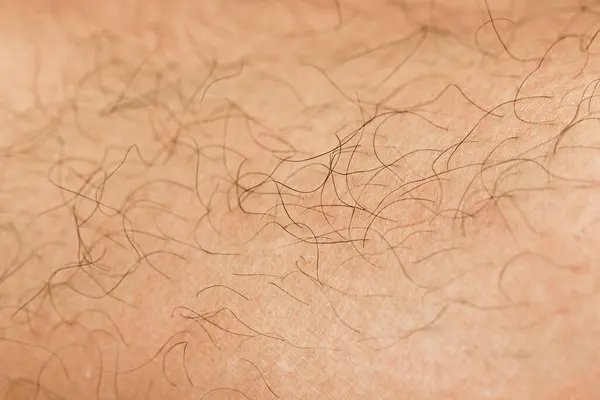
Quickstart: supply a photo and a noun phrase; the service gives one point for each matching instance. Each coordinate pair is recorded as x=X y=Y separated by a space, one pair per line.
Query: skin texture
x=299 y=200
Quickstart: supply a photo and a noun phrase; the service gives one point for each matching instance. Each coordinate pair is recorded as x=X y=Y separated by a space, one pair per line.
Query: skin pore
x=306 y=199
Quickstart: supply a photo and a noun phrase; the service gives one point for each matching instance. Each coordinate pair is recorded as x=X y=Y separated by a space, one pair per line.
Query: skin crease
x=299 y=200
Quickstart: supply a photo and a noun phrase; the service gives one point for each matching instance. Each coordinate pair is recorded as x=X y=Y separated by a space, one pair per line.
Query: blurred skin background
x=299 y=199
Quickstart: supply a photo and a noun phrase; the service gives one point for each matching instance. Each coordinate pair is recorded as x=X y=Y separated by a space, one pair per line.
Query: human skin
x=299 y=200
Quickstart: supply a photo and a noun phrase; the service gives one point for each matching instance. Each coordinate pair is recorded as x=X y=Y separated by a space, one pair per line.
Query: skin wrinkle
x=326 y=200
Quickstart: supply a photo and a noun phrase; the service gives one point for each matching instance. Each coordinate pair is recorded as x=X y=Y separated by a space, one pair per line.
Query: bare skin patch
x=351 y=210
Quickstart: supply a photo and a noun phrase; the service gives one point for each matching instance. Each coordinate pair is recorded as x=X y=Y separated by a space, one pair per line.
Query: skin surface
x=299 y=200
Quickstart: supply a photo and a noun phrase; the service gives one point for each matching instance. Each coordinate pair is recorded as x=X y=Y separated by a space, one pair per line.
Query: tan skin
x=299 y=200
